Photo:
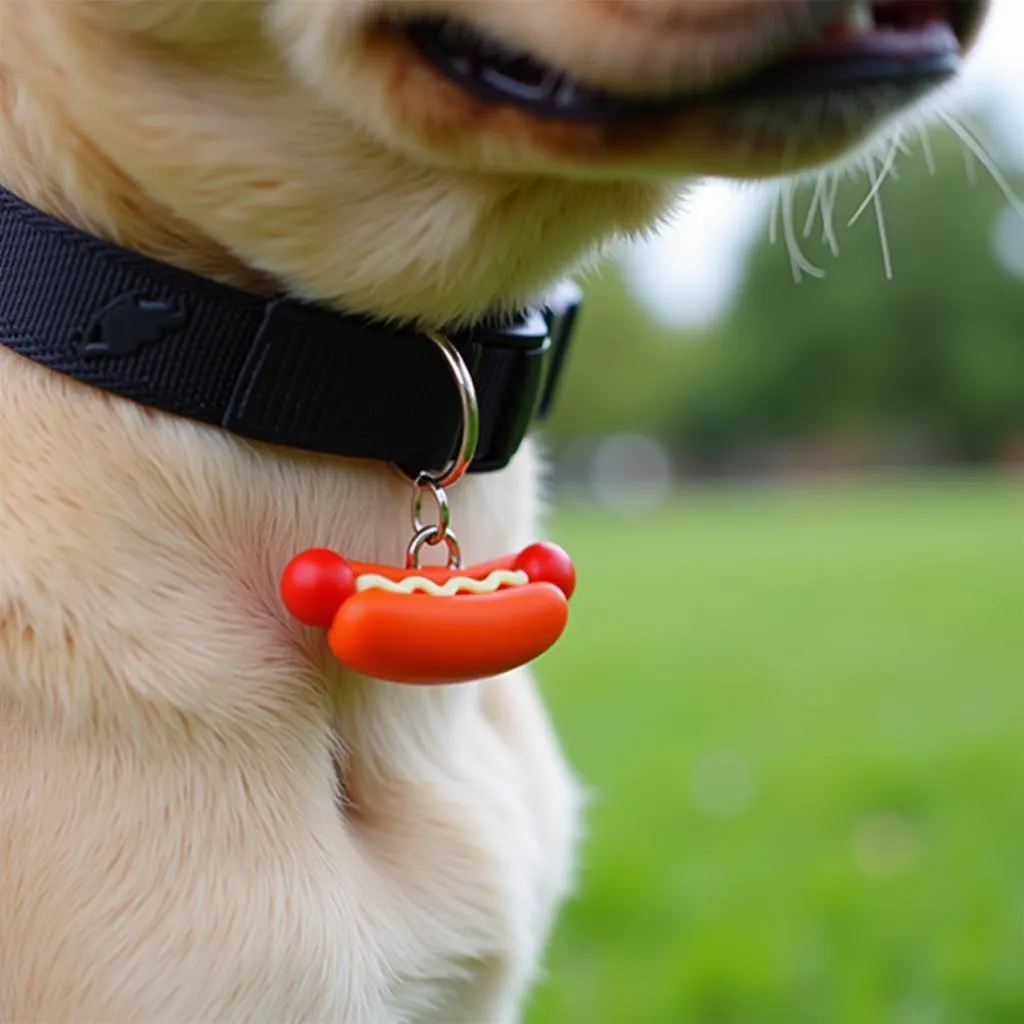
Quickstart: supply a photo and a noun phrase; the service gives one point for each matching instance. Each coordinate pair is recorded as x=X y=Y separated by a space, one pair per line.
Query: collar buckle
x=535 y=350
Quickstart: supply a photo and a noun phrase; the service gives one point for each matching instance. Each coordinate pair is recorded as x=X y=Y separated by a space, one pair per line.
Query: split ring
x=470 y=433
x=432 y=535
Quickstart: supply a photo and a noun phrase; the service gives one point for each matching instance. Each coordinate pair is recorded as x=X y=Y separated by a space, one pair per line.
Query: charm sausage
x=421 y=639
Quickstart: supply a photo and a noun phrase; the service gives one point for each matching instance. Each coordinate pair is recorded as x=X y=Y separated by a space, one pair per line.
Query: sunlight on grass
x=801 y=714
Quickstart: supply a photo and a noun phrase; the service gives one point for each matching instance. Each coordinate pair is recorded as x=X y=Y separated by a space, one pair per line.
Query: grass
x=801 y=713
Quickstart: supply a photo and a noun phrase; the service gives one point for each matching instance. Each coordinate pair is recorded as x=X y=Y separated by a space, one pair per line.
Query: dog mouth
x=910 y=44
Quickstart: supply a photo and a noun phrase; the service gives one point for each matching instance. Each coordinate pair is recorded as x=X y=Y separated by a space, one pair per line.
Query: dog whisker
x=815 y=207
x=978 y=149
x=877 y=182
x=828 y=208
x=883 y=236
x=799 y=263
x=926 y=149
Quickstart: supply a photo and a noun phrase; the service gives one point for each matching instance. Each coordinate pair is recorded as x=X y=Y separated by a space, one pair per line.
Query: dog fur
x=203 y=817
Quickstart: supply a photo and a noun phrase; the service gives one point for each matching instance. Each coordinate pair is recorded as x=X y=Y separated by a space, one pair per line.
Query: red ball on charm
x=548 y=563
x=315 y=584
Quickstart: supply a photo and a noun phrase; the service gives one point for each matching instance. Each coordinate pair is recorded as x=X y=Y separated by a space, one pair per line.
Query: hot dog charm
x=433 y=625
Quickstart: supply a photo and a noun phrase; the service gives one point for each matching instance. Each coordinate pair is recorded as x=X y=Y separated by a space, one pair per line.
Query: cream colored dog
x=203 y=816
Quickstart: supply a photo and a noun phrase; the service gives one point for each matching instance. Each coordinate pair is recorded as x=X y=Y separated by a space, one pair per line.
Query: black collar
x=280 y=371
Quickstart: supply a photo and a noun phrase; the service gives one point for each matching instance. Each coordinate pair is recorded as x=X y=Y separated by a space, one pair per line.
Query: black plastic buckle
x=561 y=312
x=539 y=342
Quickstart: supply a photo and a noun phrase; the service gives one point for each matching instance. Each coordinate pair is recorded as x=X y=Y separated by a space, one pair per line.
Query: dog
x=204 y=815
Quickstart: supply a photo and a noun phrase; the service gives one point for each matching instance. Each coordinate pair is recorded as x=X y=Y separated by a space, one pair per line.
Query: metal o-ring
x=432 y=535
x=470 y=435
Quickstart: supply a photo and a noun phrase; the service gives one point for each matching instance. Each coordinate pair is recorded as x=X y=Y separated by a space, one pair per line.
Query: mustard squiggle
x=457 y=584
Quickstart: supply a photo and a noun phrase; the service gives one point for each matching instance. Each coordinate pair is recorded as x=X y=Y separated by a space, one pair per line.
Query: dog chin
x=371 y=67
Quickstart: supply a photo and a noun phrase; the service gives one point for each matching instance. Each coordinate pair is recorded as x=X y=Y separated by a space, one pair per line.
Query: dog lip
x=494 y=73
x=914 y=57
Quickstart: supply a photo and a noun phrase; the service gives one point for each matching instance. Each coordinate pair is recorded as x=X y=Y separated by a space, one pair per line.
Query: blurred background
x=788 y=460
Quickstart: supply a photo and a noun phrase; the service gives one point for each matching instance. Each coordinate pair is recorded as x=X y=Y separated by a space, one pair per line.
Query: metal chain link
x=434 y=483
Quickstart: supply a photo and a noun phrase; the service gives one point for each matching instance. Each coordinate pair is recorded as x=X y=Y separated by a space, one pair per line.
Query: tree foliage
x=936 y=353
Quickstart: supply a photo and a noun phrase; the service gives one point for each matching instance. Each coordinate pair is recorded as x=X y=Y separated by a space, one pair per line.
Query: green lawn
x=801 y=713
